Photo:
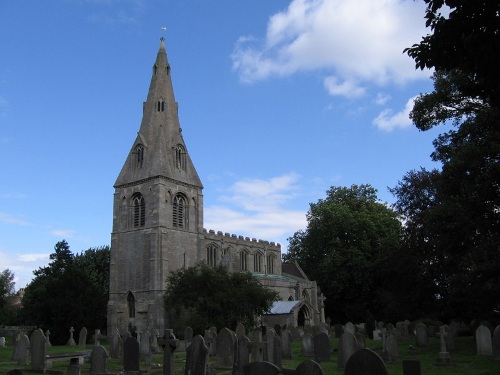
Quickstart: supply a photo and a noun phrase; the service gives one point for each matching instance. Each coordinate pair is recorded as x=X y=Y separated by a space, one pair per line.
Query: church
x=158 y=227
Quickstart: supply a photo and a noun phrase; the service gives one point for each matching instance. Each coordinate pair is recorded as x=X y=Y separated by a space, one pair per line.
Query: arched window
x=270 y=263
x=131 y=305
x=180 y=157
x=244 y=260
x=180 y=212
x=257 y=262
x=139 y=211
x=212 y=255
x=138 y=156
x=161 y=106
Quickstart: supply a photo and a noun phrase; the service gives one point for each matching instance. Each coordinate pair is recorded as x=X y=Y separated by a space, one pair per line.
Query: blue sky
x=278 y=101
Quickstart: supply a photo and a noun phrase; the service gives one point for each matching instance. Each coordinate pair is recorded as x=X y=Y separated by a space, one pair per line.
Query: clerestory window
x=244 y=260
x=212 y=255
x=257 y=262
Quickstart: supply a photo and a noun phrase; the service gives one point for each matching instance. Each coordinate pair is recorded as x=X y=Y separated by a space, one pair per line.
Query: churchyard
x=340 y=351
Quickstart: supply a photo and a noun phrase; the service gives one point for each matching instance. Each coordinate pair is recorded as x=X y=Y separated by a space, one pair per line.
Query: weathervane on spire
x=164 y=29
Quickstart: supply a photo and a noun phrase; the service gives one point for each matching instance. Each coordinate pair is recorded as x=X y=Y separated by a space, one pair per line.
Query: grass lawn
x=465 y=360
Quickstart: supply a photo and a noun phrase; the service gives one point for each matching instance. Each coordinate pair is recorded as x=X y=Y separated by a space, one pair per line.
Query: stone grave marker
x=131 y=354
x=297 y=332
x=82 y=338
x=71 y=341
x=421 y=333
x=261 y=368
x=209 y=340
x=22 y=350
x=309 y=367
x=321 y=347
x=307 y=345
x=145 y=348
x=97 y=337
x=349 y=327
x=483 y=340
x=257 y=346
x=196 y=357
x=277 y=351
x=154 y=341
x=37 y=346
x=225 y=343
x=116 y=344
x=286 y=344
x=411 y=367
x=240 y=330
x=47 y=338
x=188 y=335
x=365 y=362
x=98 y=360
x=347 y=347
x=495 y=343
x=17 y=337
x=169 y=346
x=361 y=339
x=269 y=353
x=449 y=337
x=443 y=358
x=241 y=354
x=391 y=350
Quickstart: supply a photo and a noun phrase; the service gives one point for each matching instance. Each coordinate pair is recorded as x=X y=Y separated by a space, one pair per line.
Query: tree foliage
x=6 y=291
x=212 y=296
x=72 y=291
x=349 y=240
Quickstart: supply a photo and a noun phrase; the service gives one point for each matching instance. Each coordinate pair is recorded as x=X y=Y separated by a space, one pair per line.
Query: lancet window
x=212 y=255
x=180 y=157
x=270 y=263
x=257 y=262
x=244 y=260
x=180 y=212
x=139 y=211
x=139 y=156
x=131 y=305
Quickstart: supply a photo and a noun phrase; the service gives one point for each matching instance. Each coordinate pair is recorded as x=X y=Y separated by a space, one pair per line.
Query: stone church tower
x=158 y=228
x=157 y=210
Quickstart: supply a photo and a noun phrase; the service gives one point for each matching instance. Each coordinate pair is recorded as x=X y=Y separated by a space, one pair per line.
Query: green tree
x=69 y=292
x=349 y=239
x=6 y=291
x=212 y=296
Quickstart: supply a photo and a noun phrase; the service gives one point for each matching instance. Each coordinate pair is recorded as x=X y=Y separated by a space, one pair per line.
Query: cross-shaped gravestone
x=169 y=344
x=47 y=338
x=71 y=341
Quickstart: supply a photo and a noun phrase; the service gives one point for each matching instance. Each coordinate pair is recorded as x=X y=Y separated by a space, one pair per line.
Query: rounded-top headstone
x=365 y=362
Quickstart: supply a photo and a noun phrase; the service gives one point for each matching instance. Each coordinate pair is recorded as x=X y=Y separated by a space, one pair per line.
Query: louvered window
x=179 y=212
x=139 y=207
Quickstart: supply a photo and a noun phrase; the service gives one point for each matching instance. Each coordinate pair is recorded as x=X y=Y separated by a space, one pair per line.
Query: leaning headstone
x=240 y=330
x=421 y=333
x=224 y=343
x=98 y=360
x=37 y=343
x=483 y=341
x=321 y=347
x=241 y=355
x=286 y=344
x=22 y=350
x=411 y=367
x=145 y=348
x=131 y=354
x=71 y=341
x=261 y=368
x=347 y=347
x=116 y=344
x=307 y=345
x=196 y=357
x=365 y=362
x=170 y=344
x=188 y=335
x=82 y=338
x=349 y=327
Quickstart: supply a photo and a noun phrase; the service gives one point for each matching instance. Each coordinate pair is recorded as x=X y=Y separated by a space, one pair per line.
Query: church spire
x=159 y=149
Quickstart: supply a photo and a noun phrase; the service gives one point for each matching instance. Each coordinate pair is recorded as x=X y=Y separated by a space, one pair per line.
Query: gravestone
x=321 y=347
x=261 y=368
x=365 y=362
x=443 y=358
x=257 y=346
x=97 y=337
x=17 y=337
x=349 y=327
x=71 y=341
x=154 y=341
x=309 y=367
x=347 y=347
x=411 y=367
x=209 y=340
x=98 y=360
x=307 y=345
x=495 y=343
x=391 y=350
x=421 y=335
x=240 y=330
x=277 y=351
x=22 y=350
x=377 y=334
x=145 y=348
x=74 y=367
x=269 y=353
x=82 y=338
x=131 y=354
x=483 y=340
x=448 y=337
x=241 y=354
x=286 y=344
x=47 y=338
x=297 y=333
x=116 y=344
x=225 y=343
x=188 y=335
x=169 y=346
x=196 y=357
x=37 y=346
x=361 y=339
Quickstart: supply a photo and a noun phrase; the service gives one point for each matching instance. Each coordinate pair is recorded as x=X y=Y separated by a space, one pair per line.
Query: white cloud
x=388 y=120
x=355 y=41
x=260 y=209
x=7 y=218
x=35 y=257
x=347 y=88
x=63 y=233
x=382 y=98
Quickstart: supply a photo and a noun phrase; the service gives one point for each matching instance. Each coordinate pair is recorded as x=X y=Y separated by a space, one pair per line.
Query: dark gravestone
x=82 y=338
x=260 y=368
x=224 y=344
x=170 y=344
x=116 y=344
x=307 y=345
x=131 y=354
x=196 y=357
x=22 y=350
x=98 y=360
x=241 y=355
x=421 y=334
x=365 y=362
x=309 y=367
x=321 y=347
x=37 y=344
x=411 y=367
x=347 y=347
x=286 y=344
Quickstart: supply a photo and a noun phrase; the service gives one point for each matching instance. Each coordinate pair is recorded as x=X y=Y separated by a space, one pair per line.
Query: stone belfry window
x=161 y=106
x=180 y=157
x=179 y=212
x=138 y=156
x=139 y=211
